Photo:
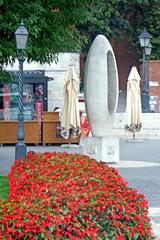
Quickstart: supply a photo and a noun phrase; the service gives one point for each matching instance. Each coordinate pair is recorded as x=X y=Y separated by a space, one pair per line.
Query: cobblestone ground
x=156 y=230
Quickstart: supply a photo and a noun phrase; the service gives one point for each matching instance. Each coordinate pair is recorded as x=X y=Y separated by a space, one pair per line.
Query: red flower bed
x=70 y=196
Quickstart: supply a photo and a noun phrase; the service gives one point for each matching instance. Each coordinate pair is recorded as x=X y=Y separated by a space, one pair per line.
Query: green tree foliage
x=62 y=25
x=125 y=19
x=105 y=18
x=140 y=14
x=51 y=25
x=6 y=77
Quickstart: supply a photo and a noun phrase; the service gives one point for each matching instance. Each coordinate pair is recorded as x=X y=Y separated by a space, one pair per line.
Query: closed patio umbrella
x=70 y=118
x=133 y=116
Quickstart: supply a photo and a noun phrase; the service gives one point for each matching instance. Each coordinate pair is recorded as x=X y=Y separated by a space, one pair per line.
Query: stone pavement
x=139 y=165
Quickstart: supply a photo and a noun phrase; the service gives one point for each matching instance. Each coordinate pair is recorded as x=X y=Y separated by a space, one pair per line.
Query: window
x=9 y=97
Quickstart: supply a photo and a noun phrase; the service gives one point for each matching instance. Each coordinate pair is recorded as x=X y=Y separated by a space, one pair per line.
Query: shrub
x=70 y=196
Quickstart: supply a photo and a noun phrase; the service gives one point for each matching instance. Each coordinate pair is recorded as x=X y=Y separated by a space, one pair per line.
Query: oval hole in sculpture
x=112 y=82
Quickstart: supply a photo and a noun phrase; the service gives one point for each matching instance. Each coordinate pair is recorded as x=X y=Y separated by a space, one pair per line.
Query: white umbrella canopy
x=70 y=118
x=133 y=116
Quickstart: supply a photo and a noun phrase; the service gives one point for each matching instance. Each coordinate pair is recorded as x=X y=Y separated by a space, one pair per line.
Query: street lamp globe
x=148 y=50
x=21 y=36
x=144 y=38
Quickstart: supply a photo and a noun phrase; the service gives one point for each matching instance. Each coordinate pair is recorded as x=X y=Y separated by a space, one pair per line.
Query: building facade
x=43 y=87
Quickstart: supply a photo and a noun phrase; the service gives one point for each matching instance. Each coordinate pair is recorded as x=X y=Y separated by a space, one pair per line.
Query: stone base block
x=105 y=149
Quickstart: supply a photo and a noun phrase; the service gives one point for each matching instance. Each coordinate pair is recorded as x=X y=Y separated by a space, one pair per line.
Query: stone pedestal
x=105 y=149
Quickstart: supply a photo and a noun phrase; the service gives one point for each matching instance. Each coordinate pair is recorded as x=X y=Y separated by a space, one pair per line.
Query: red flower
x=70 y=196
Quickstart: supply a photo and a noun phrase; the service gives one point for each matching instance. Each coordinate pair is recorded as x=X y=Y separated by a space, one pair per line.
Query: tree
x=51 y=25
x=124 y=19
x=59 y=25
x=105 y=19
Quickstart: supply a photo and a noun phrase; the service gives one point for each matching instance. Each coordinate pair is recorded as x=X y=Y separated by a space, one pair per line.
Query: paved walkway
x=130 y=169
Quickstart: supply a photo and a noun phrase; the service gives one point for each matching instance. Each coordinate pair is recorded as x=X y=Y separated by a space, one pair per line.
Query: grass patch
x=4 y=187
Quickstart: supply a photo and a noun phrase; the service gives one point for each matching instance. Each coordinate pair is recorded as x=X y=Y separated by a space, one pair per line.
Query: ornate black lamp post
x=144 y=39
x=21 y=36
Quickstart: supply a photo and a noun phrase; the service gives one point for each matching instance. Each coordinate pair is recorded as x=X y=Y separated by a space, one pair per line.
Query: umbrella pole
x=134 y=135
x=69 y=139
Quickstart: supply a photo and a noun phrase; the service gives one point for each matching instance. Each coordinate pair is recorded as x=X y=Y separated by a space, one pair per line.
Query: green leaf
x=51 y=228
x=2 y=226
x=65 y=209
x=42 y=234
x=113 y=238
x=92 y=200
x=135 y=236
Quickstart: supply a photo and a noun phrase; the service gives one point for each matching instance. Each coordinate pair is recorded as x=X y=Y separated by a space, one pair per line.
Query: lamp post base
x=145 y=103
x=20 y=151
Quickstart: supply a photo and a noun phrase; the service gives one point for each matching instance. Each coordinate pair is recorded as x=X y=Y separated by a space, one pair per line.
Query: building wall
x=55 y=87
x=126 y=57
x=56 y=72
x=154 y=79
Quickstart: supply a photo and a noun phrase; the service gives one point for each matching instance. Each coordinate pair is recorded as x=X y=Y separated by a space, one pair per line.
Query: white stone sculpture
x=101 y=97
